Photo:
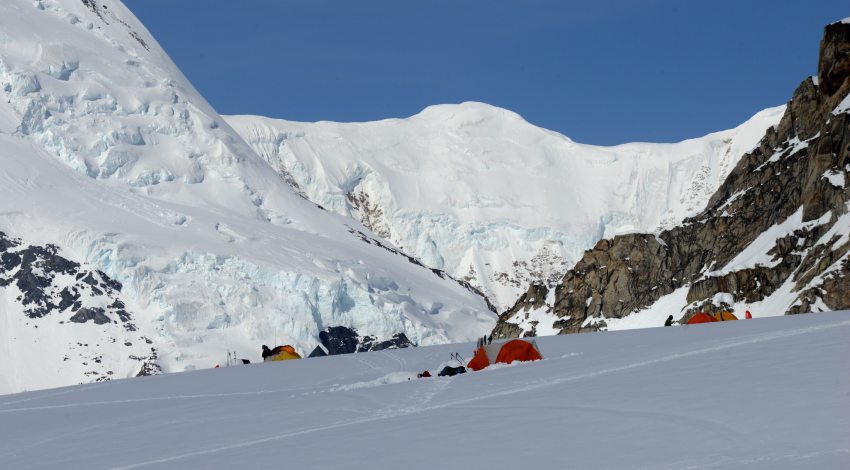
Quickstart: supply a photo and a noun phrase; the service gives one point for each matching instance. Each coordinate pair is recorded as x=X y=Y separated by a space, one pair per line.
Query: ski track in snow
x=399 y=412
x=139 y=400
x=402 y=364
x=767 y=459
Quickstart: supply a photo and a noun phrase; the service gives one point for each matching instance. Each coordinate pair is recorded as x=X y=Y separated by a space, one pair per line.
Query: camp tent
x=701 y=317
x=283 y=353
x=521 y=349
x=725 y=316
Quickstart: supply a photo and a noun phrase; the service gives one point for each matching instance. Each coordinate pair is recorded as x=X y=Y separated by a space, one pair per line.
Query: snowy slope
x=109 y=153
x=759 y=394
x=481 y=193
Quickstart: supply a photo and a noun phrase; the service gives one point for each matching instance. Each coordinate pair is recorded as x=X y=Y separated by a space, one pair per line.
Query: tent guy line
x=753 y=339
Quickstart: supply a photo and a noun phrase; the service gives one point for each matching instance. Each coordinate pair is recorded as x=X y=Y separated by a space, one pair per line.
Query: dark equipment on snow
x=453 y=367
x=318 y=352
x=452 y=371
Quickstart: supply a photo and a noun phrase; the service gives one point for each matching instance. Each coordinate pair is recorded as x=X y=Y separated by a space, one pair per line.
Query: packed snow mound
x=477 y=191
x=109 y=153
x=758 y=394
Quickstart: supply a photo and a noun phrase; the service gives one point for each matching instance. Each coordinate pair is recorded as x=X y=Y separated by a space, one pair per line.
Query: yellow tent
x=283 y=353
x=725 y=316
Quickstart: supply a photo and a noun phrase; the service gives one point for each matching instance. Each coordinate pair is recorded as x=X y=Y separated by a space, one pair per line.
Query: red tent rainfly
x=505 y=353
x=701 y=317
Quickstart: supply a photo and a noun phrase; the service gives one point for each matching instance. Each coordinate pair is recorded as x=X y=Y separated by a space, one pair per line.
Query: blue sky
x=601 y=72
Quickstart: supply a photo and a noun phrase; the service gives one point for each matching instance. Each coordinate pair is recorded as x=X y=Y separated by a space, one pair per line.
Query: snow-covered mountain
x=767 y=394
x=479 y=192
x=774 y=239
x=125 y=196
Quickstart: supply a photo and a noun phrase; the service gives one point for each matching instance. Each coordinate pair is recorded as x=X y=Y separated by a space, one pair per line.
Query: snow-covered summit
x=109 y=153
x=480 y=192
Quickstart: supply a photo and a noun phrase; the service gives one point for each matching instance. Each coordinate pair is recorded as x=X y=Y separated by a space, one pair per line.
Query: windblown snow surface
x=479 y=192
x=109 y=153
x=759 y=394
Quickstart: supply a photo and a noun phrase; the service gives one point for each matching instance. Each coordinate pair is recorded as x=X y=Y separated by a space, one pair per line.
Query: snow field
x=768 y=393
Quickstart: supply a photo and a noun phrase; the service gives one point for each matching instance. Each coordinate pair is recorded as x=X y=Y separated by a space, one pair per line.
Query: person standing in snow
x=266 y=352
x=669 y=321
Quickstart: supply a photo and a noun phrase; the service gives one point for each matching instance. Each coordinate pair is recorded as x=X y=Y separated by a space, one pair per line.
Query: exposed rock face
x=53 y=289
x=49 y=283
x=789 y=193
x=344 y=340
x=534 y=298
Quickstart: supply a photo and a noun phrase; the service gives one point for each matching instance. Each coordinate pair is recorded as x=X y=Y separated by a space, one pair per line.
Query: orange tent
x=480 y=360
x=725 y=316
x=518 y=350
x=283 y=353
x=513 y=350
x=701 y=317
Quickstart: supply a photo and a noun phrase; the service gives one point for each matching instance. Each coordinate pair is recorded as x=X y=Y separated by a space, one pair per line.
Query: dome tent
x=521 y=349
x=725 y=316
x=282 y=353
x=701 y=317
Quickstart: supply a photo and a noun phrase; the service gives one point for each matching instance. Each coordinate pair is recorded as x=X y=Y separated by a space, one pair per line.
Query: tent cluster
x=703 y=317
x=521 y=350
x=505 y=353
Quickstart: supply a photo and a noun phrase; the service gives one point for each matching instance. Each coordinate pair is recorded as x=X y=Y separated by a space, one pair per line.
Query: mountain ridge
x=479 y=192
x=772 y=239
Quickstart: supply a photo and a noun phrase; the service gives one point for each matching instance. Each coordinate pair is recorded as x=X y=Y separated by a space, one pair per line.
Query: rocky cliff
x=774 y=237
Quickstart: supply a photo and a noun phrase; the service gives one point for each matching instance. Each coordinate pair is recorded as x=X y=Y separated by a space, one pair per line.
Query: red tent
x=505 y=353
x=480 y=360
x=518 y=350
x=701 y=317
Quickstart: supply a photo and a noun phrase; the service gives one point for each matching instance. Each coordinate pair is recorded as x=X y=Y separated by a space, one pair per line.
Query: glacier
x=481 y=193
x=109 y=153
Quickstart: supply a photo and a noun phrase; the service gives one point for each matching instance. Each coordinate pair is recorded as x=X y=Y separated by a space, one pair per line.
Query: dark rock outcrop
x=41 y=276
x=797 y=175
x=85 y=314
x=50 y=286
x=344 y=340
